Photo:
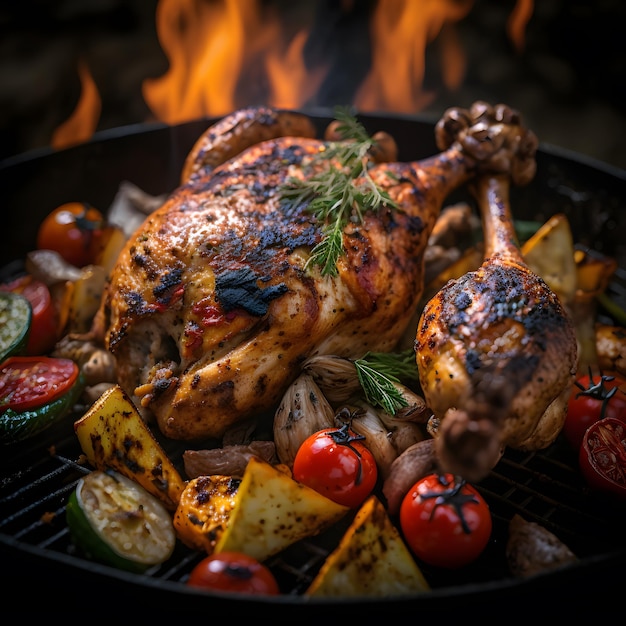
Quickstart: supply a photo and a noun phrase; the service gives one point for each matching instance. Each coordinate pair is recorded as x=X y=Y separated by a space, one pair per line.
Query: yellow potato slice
x=550 y=254
x=273 y=511
x=113 y=435
x=371 y=560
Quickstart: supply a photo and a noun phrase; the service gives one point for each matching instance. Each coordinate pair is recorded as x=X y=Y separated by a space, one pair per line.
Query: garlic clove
x=336 y=376
x=303 y=411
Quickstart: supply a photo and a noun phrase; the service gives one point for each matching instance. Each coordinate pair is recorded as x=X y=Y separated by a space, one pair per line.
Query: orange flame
x=216 y=48
x=226 y=54
x=83 y=121
x=292 y=85
x=516 y=24
x=401 y=31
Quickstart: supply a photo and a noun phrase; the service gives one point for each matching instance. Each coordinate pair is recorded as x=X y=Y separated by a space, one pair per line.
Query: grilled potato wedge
x=273 y=511
x=371 y=560
x=550 y=254
x=113 y=435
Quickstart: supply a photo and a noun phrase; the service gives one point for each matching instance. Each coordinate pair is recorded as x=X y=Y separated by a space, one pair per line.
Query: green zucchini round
x=115 y=521
x=16 y=316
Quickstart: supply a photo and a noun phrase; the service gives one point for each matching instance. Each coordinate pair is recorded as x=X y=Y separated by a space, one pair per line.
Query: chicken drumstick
x=496 y=350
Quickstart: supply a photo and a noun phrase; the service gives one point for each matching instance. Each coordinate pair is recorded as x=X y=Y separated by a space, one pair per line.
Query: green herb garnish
x=336 y=195
x=377 y=371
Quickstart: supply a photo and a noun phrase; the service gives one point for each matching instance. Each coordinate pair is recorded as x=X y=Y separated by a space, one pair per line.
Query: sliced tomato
x=44 y=324
x=602 y=456
x=27 y=382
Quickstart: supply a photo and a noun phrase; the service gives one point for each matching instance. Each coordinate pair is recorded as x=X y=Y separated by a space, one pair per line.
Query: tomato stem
x=598 y=391
x=86 y=223
x=452 y=497
x=344 y=436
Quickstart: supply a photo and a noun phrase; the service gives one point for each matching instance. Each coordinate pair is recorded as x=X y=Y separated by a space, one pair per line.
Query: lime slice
x=15 y=319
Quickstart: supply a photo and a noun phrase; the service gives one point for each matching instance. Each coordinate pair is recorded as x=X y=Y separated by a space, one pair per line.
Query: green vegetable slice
x=15 y=319
x=115 y=521
x=20 y=425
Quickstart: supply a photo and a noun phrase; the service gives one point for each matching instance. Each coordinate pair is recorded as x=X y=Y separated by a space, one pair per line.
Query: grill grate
x=544 y=487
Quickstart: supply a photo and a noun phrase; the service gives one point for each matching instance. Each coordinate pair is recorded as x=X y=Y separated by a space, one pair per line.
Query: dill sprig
x=377 y=373
x=336 y=195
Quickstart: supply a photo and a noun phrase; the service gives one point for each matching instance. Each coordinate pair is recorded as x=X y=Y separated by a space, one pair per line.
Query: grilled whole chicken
x=210 y=311
x=496 y=350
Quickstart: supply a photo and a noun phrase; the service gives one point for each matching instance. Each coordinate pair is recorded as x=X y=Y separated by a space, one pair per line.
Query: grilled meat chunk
x=210 y=309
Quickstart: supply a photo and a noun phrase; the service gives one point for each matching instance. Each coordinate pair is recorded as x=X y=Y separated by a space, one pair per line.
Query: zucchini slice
x=16 y=316
x=115 y=521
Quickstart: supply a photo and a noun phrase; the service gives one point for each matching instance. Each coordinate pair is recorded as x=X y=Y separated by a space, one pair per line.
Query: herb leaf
x=377 y=371
x=336 y=195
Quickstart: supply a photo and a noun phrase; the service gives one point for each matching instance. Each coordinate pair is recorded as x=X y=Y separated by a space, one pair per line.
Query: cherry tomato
x=29 y=381
x=602 y=456
x=43 y=332
x=445 y=521
x=74 y=230
x=593 y=398
x=233 y=572
x=335 y=463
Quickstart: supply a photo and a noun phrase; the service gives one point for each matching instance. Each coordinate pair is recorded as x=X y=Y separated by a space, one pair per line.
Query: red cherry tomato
x=75 y=231
x=602 y=456
x=233 y=572
x=27 y=382
x=335 y=463
x=593 y=398
x=445 y=521
x=44 y=326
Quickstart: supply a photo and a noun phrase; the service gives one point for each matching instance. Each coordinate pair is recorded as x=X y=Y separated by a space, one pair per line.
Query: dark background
x=568 y=81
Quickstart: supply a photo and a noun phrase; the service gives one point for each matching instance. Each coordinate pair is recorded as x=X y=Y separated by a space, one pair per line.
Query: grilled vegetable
x=44 y=330
x=15 y=321
x=303 y=411
x=371 y=544
x=113 y=435
x=75 y=230
x=550 y=253
x=445 y=521
x=593 y=398
x=115 y=521
x=272 y=511
x=36 y=392
x=602 y=457
x=336 y=463
x=233 y=572
x=204 y=509
x=82 y=298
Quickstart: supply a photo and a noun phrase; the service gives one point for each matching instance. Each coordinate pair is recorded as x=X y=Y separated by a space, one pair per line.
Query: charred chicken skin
x=496 y=350
x=210 y=310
